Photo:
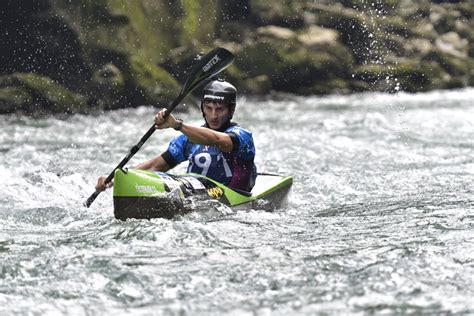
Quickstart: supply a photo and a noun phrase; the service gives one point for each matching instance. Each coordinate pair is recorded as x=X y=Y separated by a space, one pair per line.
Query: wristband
x=179 y=124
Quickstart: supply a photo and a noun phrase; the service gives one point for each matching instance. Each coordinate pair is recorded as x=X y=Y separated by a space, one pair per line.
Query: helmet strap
x=231 y=110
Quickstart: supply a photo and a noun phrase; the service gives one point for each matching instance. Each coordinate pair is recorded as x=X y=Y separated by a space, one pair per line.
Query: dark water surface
x=380 y=218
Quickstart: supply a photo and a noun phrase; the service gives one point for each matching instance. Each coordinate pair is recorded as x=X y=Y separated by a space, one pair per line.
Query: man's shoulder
x=235 y=128
x=181 y=139
x=242 y=138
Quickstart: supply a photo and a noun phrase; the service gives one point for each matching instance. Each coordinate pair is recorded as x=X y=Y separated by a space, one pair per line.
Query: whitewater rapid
x=380 y=217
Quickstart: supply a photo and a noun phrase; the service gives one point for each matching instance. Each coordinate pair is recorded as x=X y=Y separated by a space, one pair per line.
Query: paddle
x=206 y=68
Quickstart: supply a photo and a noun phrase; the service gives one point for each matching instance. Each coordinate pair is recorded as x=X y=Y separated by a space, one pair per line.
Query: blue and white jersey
x=235 y=169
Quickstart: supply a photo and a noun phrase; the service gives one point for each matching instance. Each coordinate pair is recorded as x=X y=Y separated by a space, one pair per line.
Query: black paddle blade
x=207 y=67
x=210 y=65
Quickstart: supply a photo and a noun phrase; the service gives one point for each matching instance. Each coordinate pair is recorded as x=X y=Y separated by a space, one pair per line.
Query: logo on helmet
x=213 y=97
x=211 y=63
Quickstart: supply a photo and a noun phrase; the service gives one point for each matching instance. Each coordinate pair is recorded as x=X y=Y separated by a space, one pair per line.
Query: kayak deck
x=145 y=194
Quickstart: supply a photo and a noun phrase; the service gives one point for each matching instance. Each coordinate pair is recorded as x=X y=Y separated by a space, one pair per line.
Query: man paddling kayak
x=220 y=150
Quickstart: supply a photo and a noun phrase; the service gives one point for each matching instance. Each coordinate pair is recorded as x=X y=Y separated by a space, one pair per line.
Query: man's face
x=216 y=113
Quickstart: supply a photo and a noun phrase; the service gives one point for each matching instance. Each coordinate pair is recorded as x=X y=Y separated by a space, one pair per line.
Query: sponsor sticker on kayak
x=170 y=183
x=215 y=192
x=195 y=183
x=146 y=189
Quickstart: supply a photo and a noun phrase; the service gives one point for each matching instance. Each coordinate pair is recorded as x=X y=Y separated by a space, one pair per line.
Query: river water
x=380 y=218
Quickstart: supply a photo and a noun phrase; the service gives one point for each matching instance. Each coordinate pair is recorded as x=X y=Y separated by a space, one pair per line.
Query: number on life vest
x=203 y=164
x=228 y=172
x=204 y=160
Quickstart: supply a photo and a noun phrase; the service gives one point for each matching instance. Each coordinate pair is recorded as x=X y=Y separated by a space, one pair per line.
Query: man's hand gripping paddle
x=206 y=68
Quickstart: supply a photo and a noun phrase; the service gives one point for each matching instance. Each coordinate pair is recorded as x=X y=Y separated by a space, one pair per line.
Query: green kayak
x=147 y=194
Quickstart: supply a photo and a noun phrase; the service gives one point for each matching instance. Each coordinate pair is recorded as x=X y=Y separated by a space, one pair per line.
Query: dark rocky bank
x=69 y=56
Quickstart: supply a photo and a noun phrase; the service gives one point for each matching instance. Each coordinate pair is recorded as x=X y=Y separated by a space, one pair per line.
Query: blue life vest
x=235 y=169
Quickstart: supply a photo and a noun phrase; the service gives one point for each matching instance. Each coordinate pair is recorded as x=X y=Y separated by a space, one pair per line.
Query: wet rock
x=279 y=12
x=418 y=47
x=315 y=37
x=107 y=87
x=258 y=85
x=37 y=95
x=276 y=32
x=452 y=44
x=14 y=99
x=109 y=75
x=153 y=84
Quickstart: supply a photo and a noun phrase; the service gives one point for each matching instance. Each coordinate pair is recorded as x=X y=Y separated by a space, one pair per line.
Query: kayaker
x=220 y=149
